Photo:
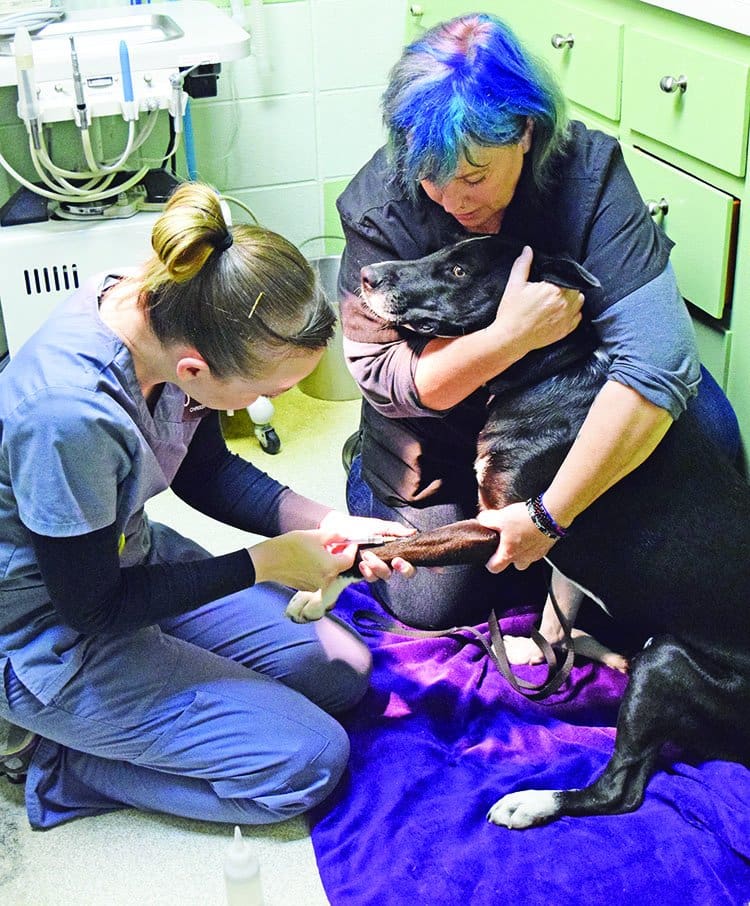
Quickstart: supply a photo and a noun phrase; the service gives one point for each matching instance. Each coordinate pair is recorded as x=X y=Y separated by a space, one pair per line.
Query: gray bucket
x=331 y=379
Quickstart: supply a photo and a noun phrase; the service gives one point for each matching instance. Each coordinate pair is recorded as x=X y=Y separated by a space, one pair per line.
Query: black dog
x=667 y=549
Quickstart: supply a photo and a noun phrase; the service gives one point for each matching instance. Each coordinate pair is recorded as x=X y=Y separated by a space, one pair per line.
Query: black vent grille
x=41 y=281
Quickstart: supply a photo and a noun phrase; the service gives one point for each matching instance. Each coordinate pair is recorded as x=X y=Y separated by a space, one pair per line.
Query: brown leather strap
x=495 y=647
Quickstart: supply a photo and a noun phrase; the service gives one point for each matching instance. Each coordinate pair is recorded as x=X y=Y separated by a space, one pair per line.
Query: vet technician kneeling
x=479 y=143
x=156 y=675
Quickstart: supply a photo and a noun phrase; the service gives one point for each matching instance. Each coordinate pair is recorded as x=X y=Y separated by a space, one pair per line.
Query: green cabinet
x=700 y=219
x=688 y=99
x=715 y=346
x=574 y=43
x=421 y=16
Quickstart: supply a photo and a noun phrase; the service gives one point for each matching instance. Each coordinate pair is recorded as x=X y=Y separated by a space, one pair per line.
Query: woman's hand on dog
x=535 y=314
x=521 y=542
x=348 y=528
x=306 y=560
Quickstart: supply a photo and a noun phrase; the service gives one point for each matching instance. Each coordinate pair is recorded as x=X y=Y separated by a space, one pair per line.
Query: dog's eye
x=458 y=271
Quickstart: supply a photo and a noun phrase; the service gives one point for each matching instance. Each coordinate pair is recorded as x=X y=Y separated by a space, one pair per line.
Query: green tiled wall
x=331 y=223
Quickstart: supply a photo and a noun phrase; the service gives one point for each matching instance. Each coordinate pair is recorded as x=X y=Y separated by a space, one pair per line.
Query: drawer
x=583 y=50
x=700 y=219
x=714 y=346
x=705 y=114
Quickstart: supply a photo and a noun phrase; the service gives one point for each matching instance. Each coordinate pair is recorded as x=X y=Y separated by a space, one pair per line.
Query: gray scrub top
x=79 y=451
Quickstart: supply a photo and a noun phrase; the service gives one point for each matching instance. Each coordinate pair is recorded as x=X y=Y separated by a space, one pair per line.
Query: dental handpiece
x=28 y=104
x=83 y=116
x=130 y=111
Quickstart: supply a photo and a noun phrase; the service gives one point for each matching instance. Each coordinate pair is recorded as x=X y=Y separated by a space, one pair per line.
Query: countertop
x=731 y=14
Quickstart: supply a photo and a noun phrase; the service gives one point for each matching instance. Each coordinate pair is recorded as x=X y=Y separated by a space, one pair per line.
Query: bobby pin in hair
x=255 y=305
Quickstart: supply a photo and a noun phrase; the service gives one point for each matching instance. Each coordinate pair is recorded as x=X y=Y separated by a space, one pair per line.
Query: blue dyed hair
x=468 y=82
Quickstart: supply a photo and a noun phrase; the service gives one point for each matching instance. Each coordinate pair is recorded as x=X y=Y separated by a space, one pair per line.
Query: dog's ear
x=567 y=273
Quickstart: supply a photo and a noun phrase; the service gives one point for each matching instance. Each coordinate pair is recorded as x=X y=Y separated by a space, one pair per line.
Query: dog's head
x=457 y=290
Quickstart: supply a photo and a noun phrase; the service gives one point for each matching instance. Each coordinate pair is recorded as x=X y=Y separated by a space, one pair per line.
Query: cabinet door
x=714 y=347
x=586 y=56
x=689 y=99
x=583 y=50
x=702 y=222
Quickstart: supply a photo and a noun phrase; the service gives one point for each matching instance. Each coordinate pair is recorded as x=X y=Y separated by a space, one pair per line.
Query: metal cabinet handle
x=670 y=84
x=559 y=41
x=655 y=208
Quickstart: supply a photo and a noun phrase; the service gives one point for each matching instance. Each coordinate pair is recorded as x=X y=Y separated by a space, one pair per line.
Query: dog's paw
x=524 y=809
x=522 y=650
x=589 y=647
x=306 y=607
x=309 y=606
x=616 y=661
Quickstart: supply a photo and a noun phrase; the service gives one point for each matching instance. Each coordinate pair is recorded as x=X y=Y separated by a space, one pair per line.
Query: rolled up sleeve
x=650 y=340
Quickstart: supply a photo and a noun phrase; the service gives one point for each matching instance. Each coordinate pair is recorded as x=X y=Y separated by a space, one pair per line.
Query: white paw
x=309 y=606
x=524 y=809
x=306 y=606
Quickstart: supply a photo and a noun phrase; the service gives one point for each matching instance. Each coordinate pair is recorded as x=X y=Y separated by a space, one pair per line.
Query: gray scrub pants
x=221 y=714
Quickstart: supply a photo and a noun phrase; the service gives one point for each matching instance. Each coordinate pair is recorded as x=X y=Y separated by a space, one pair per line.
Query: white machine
x=42 y=263
x=131 y=62
x=81 y=65
x=93 y=63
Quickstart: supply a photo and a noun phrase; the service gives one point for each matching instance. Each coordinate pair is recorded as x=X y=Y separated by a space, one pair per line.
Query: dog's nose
x=370 y=278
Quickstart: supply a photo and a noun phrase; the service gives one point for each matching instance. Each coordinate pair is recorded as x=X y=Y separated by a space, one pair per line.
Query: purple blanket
x=440 y=736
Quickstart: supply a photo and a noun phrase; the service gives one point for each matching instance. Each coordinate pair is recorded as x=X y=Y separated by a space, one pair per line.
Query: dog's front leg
x=665 y=672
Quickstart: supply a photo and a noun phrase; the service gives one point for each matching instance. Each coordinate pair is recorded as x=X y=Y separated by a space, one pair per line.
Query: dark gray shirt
x=590 y=210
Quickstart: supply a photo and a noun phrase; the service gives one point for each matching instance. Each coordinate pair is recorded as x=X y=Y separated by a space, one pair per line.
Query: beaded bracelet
x=543 y=520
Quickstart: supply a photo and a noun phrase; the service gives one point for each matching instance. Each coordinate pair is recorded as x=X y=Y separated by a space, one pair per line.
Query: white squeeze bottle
x=242 y=873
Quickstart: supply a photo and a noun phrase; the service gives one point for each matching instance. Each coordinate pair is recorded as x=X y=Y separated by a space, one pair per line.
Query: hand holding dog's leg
x=521 y=542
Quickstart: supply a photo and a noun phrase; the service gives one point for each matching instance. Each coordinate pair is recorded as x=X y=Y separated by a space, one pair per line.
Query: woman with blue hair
x=479 y=143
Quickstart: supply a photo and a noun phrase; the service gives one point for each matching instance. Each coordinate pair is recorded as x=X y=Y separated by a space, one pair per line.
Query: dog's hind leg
x=656 y=707
x=524 y=650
